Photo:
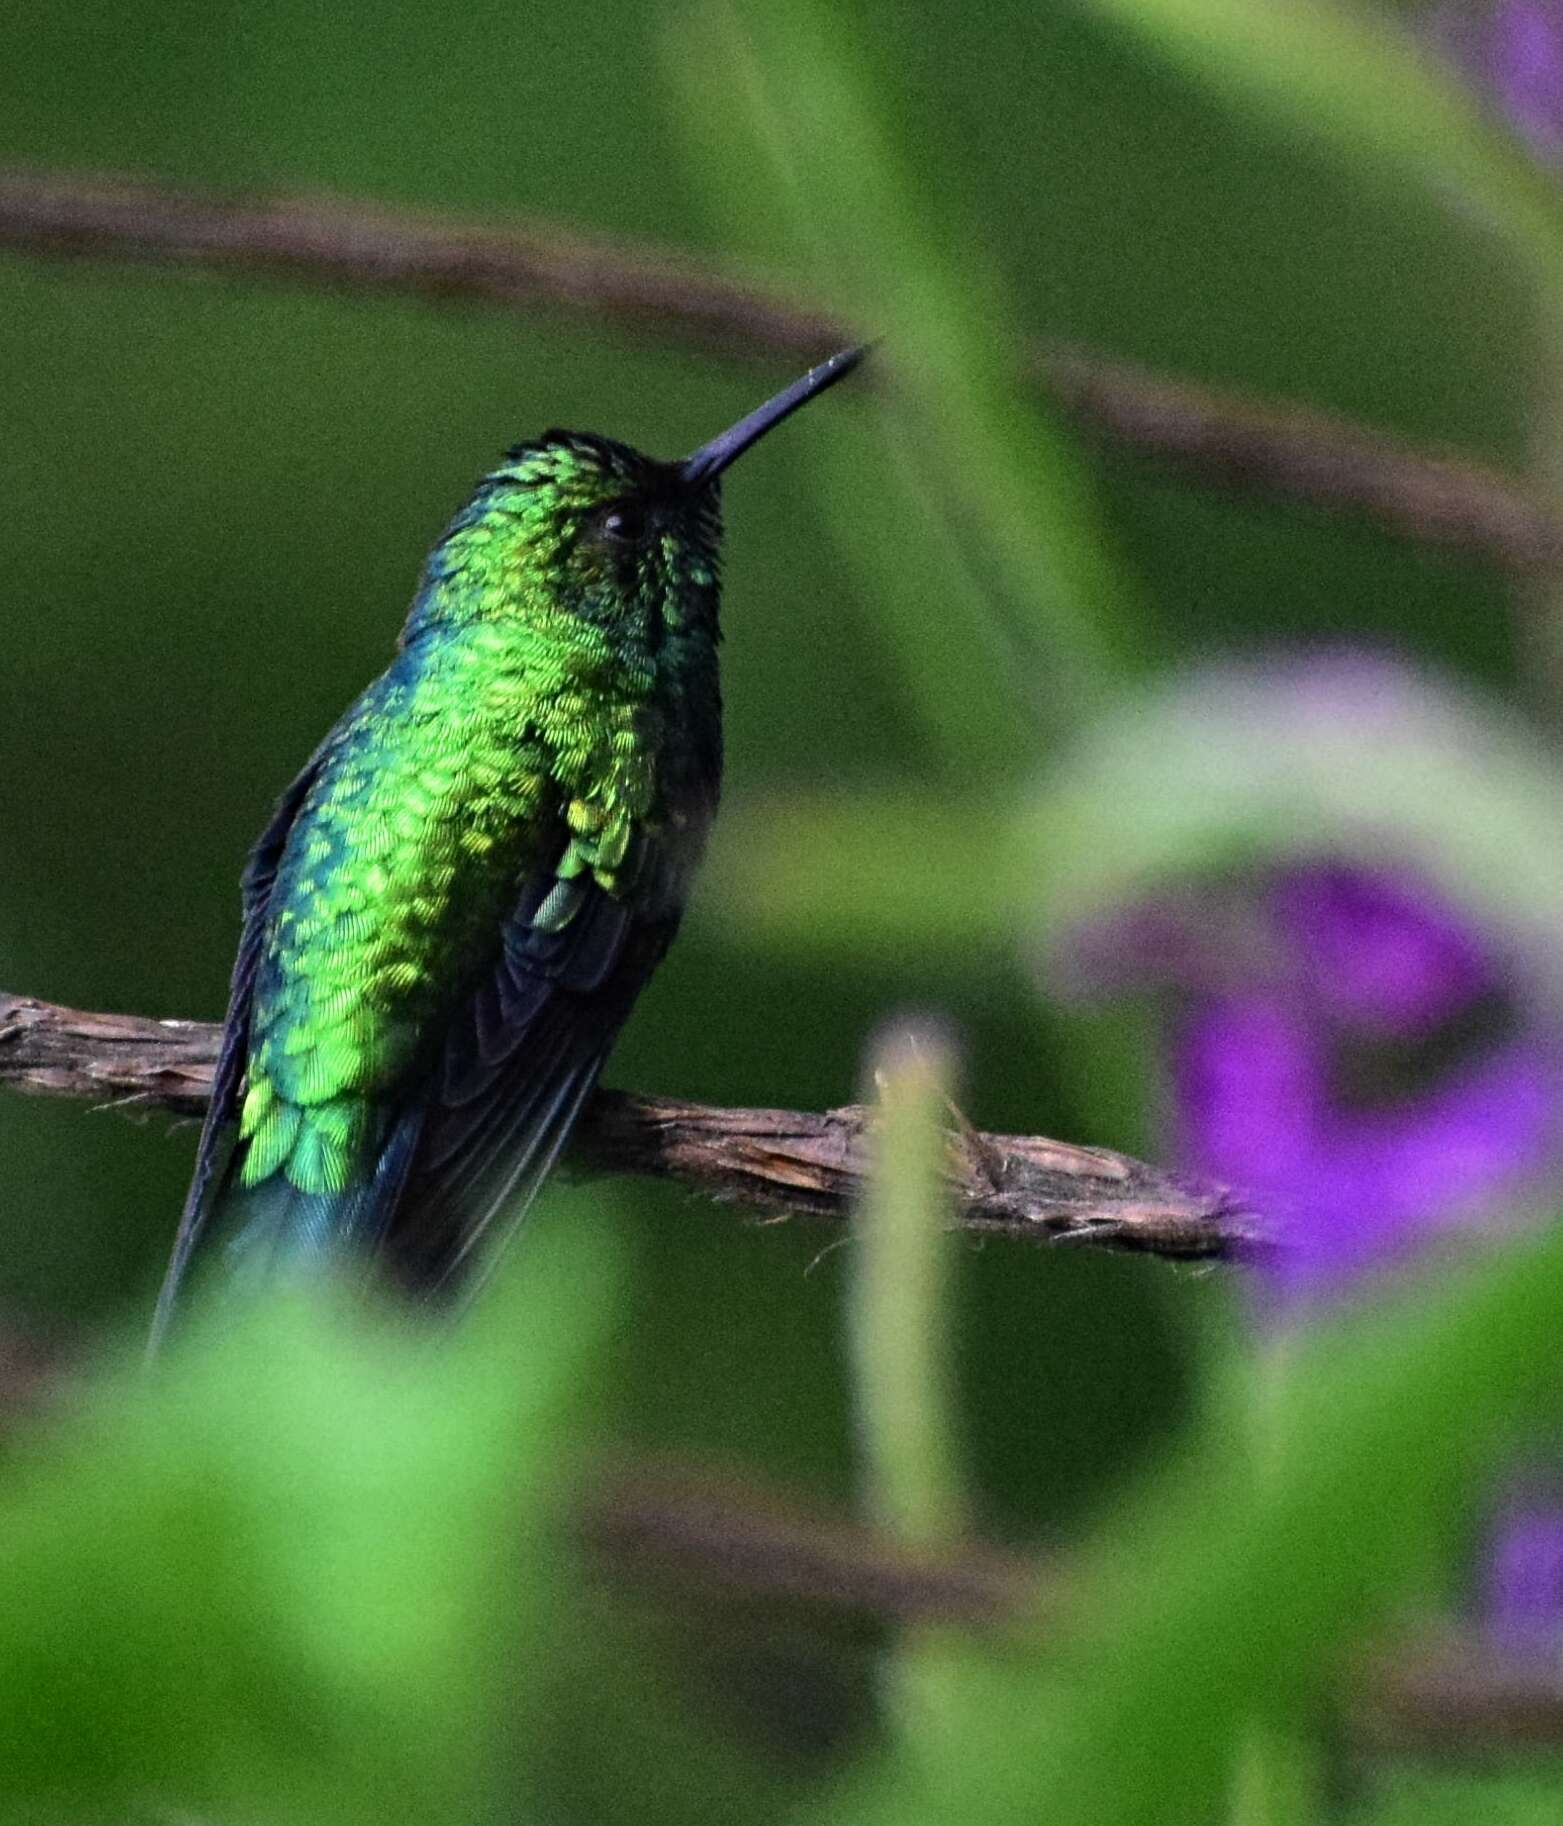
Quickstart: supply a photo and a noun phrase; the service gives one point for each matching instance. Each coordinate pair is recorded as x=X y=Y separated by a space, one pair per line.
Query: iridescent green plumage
x=460 y=897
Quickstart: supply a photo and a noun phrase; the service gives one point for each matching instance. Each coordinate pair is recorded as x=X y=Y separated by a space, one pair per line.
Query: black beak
x=711 y=459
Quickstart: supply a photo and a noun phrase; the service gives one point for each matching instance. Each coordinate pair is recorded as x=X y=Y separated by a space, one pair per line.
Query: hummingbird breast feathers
x=463 y=772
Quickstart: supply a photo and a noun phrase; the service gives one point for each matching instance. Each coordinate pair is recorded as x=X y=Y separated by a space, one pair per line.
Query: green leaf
x=1529 y=1793
x=303 y=1571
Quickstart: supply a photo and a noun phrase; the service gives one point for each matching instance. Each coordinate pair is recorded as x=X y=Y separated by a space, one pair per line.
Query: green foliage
x=1219 y=1595
x=304 y=1566
x=1443 y=1797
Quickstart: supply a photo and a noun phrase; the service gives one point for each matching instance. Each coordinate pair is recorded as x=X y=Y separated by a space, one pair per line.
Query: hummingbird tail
x=276 y=1225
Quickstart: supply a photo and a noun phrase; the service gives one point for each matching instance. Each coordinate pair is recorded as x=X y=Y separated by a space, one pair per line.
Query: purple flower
x=1348 y=1048
x=1522 y=1596
x=1379 y=951
x=1511 y=51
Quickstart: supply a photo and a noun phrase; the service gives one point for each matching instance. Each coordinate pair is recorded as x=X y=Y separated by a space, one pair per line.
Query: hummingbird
x=457 y=901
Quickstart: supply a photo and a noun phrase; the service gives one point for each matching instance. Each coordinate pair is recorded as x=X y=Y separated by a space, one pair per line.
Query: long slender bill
x=711 y=459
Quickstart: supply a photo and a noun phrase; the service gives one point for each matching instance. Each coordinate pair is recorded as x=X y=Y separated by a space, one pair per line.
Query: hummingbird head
x=575 y=525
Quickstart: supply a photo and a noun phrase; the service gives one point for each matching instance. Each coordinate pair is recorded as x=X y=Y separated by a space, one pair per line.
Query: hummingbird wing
x=220 y=1128
x=519 y=1060
x=475 y=1125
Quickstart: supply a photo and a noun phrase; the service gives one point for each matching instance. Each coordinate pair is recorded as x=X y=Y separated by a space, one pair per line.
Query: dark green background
x=216 y=495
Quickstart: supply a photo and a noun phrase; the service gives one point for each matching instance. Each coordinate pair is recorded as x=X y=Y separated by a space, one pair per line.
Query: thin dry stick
x=785 y=1162
x=667 y=1529
x=1303 y=455
x=663 y=1526
x=1448 y=1693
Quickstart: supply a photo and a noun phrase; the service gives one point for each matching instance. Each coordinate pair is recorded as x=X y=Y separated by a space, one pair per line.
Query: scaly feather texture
x=458 y=901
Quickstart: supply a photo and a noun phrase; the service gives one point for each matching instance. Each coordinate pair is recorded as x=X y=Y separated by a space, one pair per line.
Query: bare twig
x=1452 y=1692
x=1300 y=454
x=787 y=1162
x=367 y=247
x=659 y=1528
x=1304 y=455
x=665 y=1527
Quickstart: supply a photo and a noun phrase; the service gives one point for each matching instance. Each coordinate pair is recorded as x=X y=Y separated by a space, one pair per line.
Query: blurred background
x=1188 y=806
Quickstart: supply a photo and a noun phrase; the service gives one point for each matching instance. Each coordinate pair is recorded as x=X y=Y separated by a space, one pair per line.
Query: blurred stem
x=1350 y=78
x=1278 y=1775
x=978 y=534
x=1277 y=1780
x=898 y=1299
x=898 y=1331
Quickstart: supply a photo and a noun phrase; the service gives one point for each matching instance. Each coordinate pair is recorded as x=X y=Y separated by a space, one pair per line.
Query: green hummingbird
x=456 y=903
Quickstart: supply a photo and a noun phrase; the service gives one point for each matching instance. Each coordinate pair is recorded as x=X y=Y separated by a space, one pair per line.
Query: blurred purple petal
x=1152 y=943
x=1249 y=1085
x=1511 y=52
x=1380 y=950
x=1522 y=1599
x=1381 y=1185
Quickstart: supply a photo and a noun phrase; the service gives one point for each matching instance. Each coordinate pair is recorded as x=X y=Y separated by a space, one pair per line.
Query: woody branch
x=781 y=1162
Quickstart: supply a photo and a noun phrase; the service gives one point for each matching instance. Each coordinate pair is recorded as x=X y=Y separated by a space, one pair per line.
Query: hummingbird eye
x=624 y=523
